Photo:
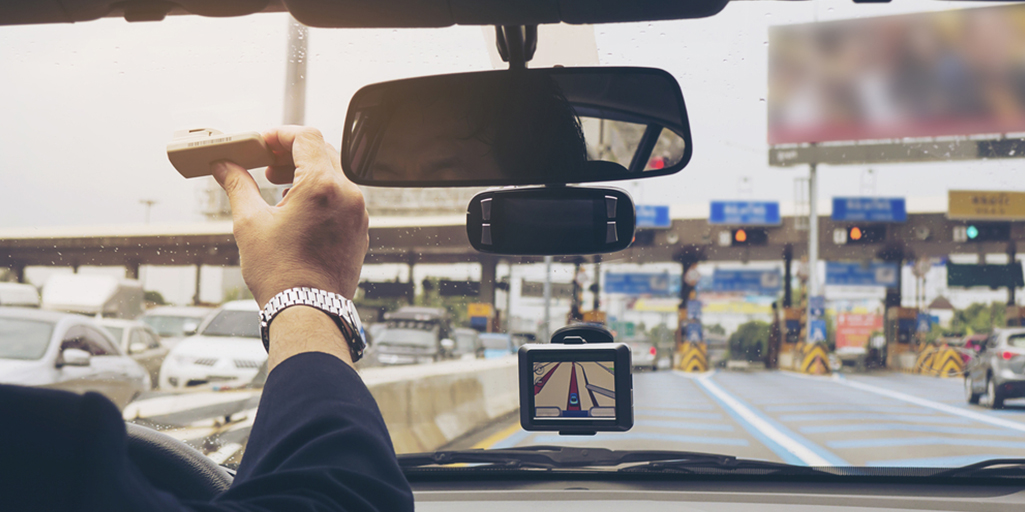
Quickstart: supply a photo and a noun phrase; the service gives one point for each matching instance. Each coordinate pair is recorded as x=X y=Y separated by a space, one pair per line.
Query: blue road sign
x=694 y=310
x=816 y=306
x=664 y=284
x=818 y=330
x=653 y=216
x=759 y=282
x=924 y=322
x=854 y=273
x=745 y=213
x=870 y=209
x=694 y=333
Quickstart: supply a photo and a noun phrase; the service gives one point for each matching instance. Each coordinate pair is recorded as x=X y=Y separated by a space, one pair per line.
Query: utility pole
x=813 y=240
x=149 y=204
x=547 y=328
x=295 y=73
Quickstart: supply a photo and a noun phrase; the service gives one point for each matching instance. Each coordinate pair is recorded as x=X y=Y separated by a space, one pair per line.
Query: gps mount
x=578 y=334
x=516 y=44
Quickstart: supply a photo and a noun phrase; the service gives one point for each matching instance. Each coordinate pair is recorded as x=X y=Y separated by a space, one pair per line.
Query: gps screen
x=574 y=390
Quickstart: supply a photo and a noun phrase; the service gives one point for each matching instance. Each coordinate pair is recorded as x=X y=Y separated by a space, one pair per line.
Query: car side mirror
x=448 y=345
x=74 y=357
x=190 y=329
x=137 y=347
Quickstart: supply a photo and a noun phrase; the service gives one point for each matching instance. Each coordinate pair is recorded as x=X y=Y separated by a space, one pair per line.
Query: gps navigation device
x=576 y=388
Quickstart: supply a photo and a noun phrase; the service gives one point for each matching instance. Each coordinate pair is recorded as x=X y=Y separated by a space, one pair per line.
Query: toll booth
x=900 y=328
x=1013 y=316
x=792 y=330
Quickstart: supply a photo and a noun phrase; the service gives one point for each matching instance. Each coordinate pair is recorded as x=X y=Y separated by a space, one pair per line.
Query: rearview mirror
x=550 y=221
x=74 y=357
x=517 y=127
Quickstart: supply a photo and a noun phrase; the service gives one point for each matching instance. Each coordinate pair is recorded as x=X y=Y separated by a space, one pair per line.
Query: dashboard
x=601 y=496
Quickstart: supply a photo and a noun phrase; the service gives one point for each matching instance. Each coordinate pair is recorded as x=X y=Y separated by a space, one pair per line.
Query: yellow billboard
x=986 y=205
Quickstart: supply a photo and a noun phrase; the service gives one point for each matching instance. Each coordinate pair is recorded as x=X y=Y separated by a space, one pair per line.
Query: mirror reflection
x=516 y=127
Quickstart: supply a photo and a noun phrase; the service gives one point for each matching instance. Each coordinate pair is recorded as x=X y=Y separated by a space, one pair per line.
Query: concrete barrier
x=427 y=406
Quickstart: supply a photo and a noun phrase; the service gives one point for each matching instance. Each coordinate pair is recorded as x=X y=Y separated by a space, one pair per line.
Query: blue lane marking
x=935 y=462
x=921 y=418
x=684 y=425
x=776 y=448
x=644 y=436
x=678 y=414
x=924 y=441
x=935 y=429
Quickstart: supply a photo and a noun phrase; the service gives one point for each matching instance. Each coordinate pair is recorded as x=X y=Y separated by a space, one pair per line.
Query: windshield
x=242 y=324
x=855 y=198
x=116 y=332
x=24 y=339
x=171 y=326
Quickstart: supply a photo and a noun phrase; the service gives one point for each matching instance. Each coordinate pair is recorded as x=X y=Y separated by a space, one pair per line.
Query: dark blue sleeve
x=318 y=443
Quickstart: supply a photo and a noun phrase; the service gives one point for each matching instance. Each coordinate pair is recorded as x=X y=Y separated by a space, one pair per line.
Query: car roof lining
x=367 y=13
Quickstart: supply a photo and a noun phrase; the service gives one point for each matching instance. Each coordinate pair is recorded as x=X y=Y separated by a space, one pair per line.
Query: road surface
x=881 y=419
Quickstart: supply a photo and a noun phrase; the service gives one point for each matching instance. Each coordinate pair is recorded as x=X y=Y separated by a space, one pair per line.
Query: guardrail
x=427 y=406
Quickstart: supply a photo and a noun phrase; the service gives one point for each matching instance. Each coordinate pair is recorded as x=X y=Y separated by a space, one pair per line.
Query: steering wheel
x=175 y=467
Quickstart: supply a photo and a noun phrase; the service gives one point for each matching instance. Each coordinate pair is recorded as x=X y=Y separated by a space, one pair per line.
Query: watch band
x=340 y=309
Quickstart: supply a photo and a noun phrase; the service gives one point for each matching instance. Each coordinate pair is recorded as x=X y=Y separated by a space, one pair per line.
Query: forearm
x=301 y=329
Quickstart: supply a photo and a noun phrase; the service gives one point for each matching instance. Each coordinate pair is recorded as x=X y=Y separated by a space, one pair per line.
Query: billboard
x=854 y=330
x=950 y=73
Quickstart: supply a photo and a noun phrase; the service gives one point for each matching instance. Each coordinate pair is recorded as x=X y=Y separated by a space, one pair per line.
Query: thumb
x=243 y=192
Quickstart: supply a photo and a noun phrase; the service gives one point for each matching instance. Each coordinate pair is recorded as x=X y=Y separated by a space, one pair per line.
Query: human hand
x=316 y=236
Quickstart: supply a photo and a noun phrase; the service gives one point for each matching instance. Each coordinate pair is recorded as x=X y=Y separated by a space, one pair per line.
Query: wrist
x=298 y=329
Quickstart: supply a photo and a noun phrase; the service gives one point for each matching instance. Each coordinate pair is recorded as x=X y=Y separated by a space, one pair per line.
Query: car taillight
x=652 y=351
x=1007 y=355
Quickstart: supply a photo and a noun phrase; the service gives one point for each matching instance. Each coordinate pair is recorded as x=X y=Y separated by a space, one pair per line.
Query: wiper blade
x=569 y=457
x=991 y=467
x=729 y=464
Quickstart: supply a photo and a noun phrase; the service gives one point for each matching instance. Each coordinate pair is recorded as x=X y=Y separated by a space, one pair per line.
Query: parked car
x=19 y=294
x=413 y=335
x=998 y=371
x=643 y=353
x=66 y=351
x=174 y=323
x=227 y=348
x=497 y=344
x=138 y=341
x=467 y=343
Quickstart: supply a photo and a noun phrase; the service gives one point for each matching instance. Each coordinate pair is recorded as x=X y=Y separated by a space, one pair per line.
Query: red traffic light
x=855 y=233
x=740 y=236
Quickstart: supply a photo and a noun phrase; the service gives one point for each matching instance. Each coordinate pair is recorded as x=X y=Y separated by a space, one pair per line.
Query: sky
x=88 y=109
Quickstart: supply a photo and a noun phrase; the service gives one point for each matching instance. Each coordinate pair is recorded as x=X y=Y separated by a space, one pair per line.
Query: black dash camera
x=579 y=384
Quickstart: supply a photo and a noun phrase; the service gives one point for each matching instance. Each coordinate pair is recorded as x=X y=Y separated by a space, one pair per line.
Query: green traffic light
x=972 y=232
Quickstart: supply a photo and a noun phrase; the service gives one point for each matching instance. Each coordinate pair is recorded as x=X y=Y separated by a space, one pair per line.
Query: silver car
x=66 y=351
x=174 y=323
x=998 y=371
x=139 y=341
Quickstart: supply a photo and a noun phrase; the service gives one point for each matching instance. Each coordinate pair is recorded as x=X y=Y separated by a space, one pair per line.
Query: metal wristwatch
x=340 y=309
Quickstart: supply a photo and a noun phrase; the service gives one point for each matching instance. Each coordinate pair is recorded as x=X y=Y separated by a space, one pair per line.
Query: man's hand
x=316 y=236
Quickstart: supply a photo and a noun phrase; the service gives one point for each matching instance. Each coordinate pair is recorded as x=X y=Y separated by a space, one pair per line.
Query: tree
x=154 y=297
x=714 y=329
x=977 y=318
x=748 y=342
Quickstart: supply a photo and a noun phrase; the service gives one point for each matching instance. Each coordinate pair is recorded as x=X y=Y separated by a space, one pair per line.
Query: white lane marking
x=689 y=375
x=799 y=450
x=949 y=409
x=224 y=453
x=162 y=405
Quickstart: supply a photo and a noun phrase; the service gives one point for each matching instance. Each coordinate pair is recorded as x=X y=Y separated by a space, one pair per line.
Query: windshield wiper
x=562 y=457
x=991 y=467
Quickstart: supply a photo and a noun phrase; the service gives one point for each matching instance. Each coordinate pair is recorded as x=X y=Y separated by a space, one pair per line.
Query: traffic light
x=749 y=236
x=983 y=232
x=860 y=234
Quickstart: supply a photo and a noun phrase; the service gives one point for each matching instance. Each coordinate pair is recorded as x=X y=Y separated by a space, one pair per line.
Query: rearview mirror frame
x=586 y=102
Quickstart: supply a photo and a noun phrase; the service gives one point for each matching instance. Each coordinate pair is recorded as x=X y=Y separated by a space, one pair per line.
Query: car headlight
x=183 y=359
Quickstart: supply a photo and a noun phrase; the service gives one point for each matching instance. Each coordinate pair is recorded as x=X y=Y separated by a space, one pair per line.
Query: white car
x=174 y=323
x=227 y=349
x=139 y=342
